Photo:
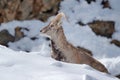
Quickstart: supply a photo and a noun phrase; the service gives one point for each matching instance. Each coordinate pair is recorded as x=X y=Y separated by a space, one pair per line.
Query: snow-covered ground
x=33 y=66
x=15 y=64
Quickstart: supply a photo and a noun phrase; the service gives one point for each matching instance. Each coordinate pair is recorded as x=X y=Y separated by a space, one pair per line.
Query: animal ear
x=57 y=20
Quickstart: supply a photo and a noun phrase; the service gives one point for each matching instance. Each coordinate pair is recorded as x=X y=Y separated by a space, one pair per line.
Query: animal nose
x=42 y=31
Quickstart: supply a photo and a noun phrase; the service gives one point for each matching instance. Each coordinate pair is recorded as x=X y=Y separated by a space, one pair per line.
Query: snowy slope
x=23 y=66
x=37 y=64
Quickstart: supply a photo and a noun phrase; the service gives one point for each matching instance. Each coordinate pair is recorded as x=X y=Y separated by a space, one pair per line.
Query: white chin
x=44 y=35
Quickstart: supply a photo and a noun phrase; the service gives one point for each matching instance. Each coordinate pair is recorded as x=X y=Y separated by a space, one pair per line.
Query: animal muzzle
x=43 y=30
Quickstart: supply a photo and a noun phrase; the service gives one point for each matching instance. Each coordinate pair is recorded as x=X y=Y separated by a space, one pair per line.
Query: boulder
x=103 y=28
x=116 y=42
x=27 y=9
x=18 y=33
x=106 y=4
x=5 y=37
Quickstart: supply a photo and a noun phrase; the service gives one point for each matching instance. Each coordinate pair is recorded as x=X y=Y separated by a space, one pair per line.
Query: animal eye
x=52 y=25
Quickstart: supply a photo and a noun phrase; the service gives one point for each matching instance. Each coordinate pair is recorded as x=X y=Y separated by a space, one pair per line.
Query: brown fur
x=85 y=50
x=67 y=51
x=56 y=53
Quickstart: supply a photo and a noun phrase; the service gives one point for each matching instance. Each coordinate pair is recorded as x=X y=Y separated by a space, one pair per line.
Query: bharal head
x=54 y=25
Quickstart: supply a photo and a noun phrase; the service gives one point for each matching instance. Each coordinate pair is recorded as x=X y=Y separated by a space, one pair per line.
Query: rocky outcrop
x=27 y=9
x=106 y=4
x=116 y=42
x=103 y=28
x=5 y=37
x=18 y=33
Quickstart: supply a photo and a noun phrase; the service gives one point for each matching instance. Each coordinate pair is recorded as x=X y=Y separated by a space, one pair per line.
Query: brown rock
x=11 y=9
x=18 y=33
x=37 y=7
x=106 y=4
x=103 y=28
x=27 y=9
x=50 y=8
x=116 y=42
x=5 y=37
x=1 y=16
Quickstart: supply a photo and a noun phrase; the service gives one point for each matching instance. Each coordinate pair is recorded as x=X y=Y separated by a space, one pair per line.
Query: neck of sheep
x=59 y=38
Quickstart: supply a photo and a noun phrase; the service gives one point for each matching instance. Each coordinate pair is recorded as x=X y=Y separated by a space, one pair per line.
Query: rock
x=18 y=33
x=116 y=42
x=118 y=76
x=24 y=9
x=27 y=9
x=103 y=28
x=50 y=7
x=47 y=38
x=81 y=23
x=5 y=37
x=1 y=16
x=106 y=4
x=89 y=1
x=33 y=38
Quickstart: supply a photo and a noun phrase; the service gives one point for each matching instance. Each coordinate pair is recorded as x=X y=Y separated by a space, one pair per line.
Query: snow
x=16 y=64
x=20 y=65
